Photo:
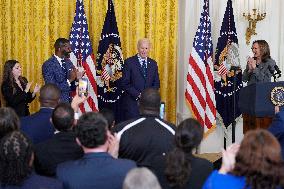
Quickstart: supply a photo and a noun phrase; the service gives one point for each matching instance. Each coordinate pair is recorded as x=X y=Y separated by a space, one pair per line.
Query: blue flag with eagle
x=109 y=64
x=227 y=82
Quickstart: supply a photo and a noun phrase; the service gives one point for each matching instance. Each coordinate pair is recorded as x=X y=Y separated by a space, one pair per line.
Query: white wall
x=271 y=29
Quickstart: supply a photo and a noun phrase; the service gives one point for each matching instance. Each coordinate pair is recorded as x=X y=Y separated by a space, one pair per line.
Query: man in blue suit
x=97 y=168
x=38 y=126
x=139 y=72
x=59 y=69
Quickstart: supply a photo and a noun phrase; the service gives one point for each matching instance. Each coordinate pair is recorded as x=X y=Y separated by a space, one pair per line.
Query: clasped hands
x=76 y=74
x=251 y=62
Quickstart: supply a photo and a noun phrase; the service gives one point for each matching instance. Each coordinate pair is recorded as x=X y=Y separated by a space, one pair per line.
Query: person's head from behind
x=62 y=48
x=188 y=136
x=141 y=178
x=12 y=70
x=91 y=130
x=9 y=121
x=109 y=116
x=63 y=117
x=16 y=158
x=49 y=95
x=260 y=154
x=150 y=101
x=260 y=49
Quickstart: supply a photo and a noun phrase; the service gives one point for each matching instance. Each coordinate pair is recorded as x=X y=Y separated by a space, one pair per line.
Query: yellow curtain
x=30 y=28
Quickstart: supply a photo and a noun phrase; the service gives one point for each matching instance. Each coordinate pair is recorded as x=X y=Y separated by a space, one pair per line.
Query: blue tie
x=64 y=68
x=144 y=68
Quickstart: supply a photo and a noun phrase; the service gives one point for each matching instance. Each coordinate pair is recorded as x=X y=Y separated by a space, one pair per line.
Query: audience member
x=62 y=146
x=38 y=125
x=109 y=116
x=277 y=128
x=141 y=178
x=9 y=121
x=260 y=68
x=183 y=169
x=148 y=137
x=59 y=69
x=139 y=72
x=16 y=160
x=16 y=88
x=255 y=164
x=97 y=168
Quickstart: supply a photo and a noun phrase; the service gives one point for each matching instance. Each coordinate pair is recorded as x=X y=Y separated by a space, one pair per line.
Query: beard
x=66 y=54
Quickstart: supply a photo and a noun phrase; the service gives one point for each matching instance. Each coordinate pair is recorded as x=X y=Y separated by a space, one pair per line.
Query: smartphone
x=83 y=87
x=162 y=110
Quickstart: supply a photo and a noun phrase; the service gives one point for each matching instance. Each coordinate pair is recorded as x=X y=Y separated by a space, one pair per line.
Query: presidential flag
x=82 y=55
x=110 y=63
x=200 y=82
x=229 y=81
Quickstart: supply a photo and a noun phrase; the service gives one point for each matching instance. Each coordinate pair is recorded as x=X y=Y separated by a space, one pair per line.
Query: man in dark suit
x=97 y=168
x=59 y=69
x=38 y=126
x=62 y=146
x=139 y=72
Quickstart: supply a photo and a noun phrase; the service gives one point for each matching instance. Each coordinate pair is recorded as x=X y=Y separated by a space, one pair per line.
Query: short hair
x=91 y=130
x=63 y=117
x=188 y=136
x=108 y=115
x=49 y=93
x=259 y=160
x=15 y=156
x=150 y=99
x=60 y=42
x=140 y=178
x=9 y=121
x=144 y=40
x=264 y=49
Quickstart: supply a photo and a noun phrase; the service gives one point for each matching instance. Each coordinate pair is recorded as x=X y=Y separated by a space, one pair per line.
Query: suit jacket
x=60 y=148
x=262 y=73
x=38 y=126
x=18 y=99
x=94 y=170
x=35 y=181
x=53 y=73
x=277 y=129
x=133 y=83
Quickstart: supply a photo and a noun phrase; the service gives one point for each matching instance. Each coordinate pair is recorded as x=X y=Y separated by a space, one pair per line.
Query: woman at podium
x=260 y=67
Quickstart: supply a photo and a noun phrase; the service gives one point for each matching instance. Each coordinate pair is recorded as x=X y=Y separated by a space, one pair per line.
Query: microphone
x=278 y=71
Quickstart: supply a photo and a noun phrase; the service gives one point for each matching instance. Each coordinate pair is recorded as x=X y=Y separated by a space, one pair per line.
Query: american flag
x=82 y=55
x=200 y=82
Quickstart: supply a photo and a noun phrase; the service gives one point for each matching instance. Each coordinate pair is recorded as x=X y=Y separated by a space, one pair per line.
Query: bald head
x=49 y=95
x=150 y=101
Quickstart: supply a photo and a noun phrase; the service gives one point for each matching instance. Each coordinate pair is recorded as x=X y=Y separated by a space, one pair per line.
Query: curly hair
x=259 y=160
x=264 y=49
x=8 y=75
x=178 y=162
x=91 y=129
x=15 y=156
x=9 y=121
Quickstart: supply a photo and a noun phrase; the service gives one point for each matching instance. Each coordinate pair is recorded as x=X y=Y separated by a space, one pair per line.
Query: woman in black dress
x=16 y=88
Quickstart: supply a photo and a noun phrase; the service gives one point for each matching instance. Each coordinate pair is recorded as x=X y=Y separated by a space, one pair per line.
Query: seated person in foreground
x=255 y=164
x=148 y=137
x=16 y=162
x=97 y=168
x=181 y=169
x=62 y=146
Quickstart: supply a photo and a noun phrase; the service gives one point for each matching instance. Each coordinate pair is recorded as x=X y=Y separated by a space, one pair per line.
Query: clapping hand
x=229 y=158
x=113 y=146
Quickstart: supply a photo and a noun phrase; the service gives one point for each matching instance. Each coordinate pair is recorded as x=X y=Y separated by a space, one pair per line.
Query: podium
x=256 y=106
